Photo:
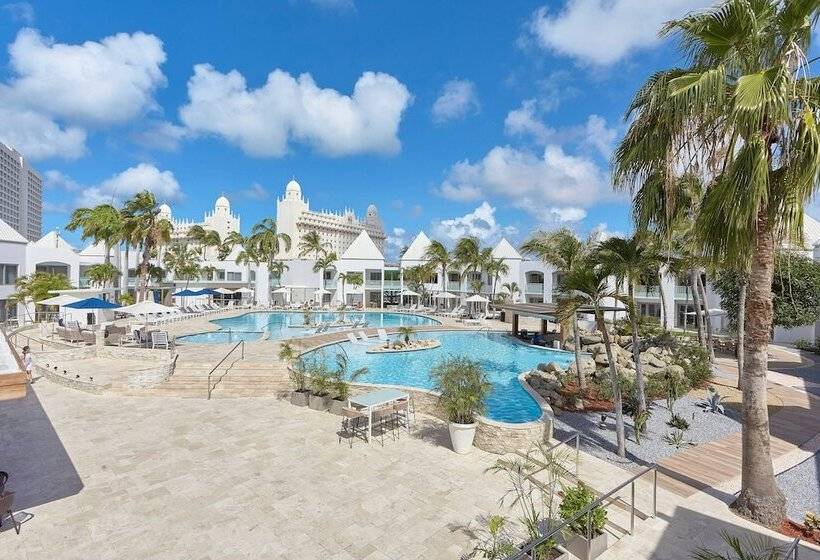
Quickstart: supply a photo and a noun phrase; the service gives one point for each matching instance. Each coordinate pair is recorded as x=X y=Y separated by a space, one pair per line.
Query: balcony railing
x=644 y=292
x=683 y=292
x=535 y=288
x=453 y=286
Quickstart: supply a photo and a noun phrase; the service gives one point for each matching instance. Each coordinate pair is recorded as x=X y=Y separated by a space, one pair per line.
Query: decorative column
x=262 y=285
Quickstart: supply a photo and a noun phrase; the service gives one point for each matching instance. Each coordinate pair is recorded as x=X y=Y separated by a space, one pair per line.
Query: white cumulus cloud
x=19 y=11
x=456 y=100
x=480 y=223
x=263 y=121
x=129 y=182
x=525 y=121
x=36 y=135
x=602 y=32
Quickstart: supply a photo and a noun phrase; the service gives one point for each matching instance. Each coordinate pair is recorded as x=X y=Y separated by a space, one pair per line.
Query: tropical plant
x=311 y=242
x=208 y=238
x=630 y=261
x=639 y=420
x=469 y=256
x=439 y=257
x=323 y=262
x=38 y=286
x=811 y=521
x=497 y=543
x=183 y=262
x=147 y=230
x=742 y=115
x=406 y=331
x=103 y=223
x=277 y=269
x=342 y=376
x=752 y=548
x=512 y=289
x=675 y=388
x=586 y=286
x=463 y=387
x=102 y=274
x=416 y=277
x=476 y=285
x=562 y=250
x=678 y=422
x=713 y=402
x=495 y=268
x=675 y=438
x=127 y=298
x=576 y=499
x=266 y=241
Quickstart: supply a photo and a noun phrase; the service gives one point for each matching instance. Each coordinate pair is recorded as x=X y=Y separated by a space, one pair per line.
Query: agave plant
x=753 y=548
x=713 y=402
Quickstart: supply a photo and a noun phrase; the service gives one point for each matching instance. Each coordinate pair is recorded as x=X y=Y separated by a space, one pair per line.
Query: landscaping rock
x=550 y=367
x=587 y=339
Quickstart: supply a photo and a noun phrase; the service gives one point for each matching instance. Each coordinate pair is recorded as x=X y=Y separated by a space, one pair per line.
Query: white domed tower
x=165 y=212
x=222 y=206
x=221 y=220
x=288 y=210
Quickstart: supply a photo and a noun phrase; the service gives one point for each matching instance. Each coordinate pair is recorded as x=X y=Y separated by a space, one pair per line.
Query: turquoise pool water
x=502 y=357
x=283 y=324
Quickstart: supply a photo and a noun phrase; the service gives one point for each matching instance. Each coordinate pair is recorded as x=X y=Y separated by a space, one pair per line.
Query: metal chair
x=354 y=422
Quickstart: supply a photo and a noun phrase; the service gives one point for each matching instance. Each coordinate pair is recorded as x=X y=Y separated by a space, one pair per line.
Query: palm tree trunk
x=741 y=327
x=663 y=301
x=708 y=320
x=617 y=403
x=636 y=349
x=144 y=267
x=582 y=380
x=696 y=304
x=760 y=498
x=107 y=246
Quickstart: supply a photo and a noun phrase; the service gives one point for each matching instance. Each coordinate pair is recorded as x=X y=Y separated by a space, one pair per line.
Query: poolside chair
x=352 y=338
x=382 y=335
x=354 y=422
x=160 y=338
x=364 y=338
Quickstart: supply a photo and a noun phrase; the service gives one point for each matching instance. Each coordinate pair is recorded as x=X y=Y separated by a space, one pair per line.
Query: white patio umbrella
x=62 y=299
x=243 y=290
x=478 y=300
x=444 y=295
x=223 y=291
x=147 y=307
x=408 y=293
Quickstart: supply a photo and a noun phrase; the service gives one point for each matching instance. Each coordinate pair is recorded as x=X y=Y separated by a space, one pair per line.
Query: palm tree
x=743 y=115
x=277 y=269
x=342 y=277
x=586 y=286
x=495 y=268
x=438 y=256
x=512 y=289
x=629 y=261
x=209 y=238
x=267 y=240
x=322 y=263
x=562 y=250
x=311 y=242
x=146 y=230
x=183 y=262
x=102 y=274
x=103 y=223
x=470 y=257
x=406 y=332
x=355 y=279
x=37 y=287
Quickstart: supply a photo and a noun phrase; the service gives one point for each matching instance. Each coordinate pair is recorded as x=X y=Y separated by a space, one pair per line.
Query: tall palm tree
x=629 y=261
x=342 y=277
x=209 y=238
x=438 y=256
x=146 y=230
x=311 y=242
x=102 y=223
x=267 y=240
x=743 y=115
x=469 y=256
x=278 y=269
x=587 y=286
x=512 y=289
x=36 y=287
x=183 y=262
x=102 y=274
x=323 y=262
x=495 y=268
x=562 y=250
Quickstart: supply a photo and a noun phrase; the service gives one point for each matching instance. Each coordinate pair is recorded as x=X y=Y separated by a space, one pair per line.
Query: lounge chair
x=351 y=337
x=382 y=335
x=160 y=338
x=364 y=338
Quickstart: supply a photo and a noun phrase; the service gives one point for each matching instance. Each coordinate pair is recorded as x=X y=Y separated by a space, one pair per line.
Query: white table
x=370 y=401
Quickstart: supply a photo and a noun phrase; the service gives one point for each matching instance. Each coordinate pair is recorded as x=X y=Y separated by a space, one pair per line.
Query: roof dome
x=293 y=187
x=165 y=210
x=222 y=202
x=372 y=210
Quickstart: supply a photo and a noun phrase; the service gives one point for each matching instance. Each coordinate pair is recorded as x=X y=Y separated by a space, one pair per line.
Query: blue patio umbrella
x=206 y=292
x=185 y=293
x=93 y=303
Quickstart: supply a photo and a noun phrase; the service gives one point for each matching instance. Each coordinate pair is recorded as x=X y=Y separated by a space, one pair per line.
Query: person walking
x=28 y=363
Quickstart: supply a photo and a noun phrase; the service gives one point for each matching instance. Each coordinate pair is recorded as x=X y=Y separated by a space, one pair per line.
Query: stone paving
x=113 y=477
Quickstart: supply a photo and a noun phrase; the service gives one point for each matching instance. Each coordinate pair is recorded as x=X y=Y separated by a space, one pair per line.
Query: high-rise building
x=21 y=194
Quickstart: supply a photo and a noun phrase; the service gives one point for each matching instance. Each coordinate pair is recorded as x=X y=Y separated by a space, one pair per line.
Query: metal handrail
x=528 y=550
x=577 y=437
x=791 y=552
x=225 y=357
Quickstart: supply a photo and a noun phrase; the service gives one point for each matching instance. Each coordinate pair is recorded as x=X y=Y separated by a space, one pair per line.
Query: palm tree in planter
x=296 y=372
x=588 y=538
x=463 y=389
x=586 y=286
x=406 y=332
x=340 y=382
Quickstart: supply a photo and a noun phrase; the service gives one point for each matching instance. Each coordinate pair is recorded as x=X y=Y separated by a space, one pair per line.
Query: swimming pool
x=285 y=324
x=501 y=356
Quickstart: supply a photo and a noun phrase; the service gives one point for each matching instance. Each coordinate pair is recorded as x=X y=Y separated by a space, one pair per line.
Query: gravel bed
x=600 y=442
x=801 y=484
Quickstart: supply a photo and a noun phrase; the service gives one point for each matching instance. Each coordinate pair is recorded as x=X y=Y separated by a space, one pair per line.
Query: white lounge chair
x=382 y=335
x=352 y=338
x=363 y=337
x=160 y=339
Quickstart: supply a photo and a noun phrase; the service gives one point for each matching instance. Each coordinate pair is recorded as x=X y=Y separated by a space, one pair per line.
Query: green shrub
x=678 y=422
x=463 y=388
x=576 y=498
x=695 y=363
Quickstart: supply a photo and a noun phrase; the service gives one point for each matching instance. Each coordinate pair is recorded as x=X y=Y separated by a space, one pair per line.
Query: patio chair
x=160 y=338
x=384 y=416
x=364 y=338
x=354 y=422
x=382 y=335
x=401 y=411
x=352 y=338
x=7 y=502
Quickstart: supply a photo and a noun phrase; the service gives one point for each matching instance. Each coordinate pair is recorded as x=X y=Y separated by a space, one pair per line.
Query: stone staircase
x=233 y=379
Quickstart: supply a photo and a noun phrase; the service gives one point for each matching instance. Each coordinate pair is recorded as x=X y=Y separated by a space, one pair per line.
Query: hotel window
x=220 y=274
x=253 y=275
x=375 y=276
x=235 y=276
x=8 y=274
x=651 y=310
x=452 y=277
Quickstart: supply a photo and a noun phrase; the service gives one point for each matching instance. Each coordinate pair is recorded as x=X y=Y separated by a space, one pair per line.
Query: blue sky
x=491 y=118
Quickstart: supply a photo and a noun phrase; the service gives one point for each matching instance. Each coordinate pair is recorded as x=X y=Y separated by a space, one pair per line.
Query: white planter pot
x=462 y=436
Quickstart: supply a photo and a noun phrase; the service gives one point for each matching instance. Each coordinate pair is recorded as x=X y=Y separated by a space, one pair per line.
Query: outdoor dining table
x=372 y=400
